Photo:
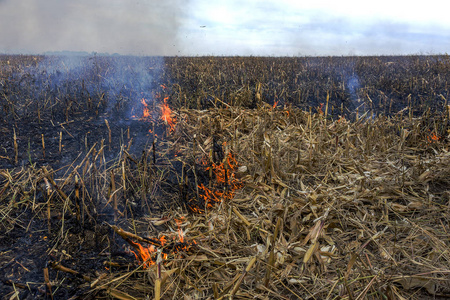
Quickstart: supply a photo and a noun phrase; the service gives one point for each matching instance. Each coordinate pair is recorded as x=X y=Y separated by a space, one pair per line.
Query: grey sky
x=205 y=27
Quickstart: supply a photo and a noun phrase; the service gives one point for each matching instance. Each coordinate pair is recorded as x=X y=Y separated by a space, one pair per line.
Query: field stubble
x=347 y=200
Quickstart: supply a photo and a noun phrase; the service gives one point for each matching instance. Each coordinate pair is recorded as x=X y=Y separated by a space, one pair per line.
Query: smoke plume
x=112 y=26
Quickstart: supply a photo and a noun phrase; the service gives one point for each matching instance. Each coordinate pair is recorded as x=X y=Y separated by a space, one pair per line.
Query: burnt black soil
x=85 y=245
x=77 y=137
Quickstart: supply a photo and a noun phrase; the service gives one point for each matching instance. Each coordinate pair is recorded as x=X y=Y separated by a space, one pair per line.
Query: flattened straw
x=158 y=281
x=58 y=266
x=43 y=145
x=47 y=283
x=154 y=152
x=113 y=195
x=109 y=134
x=77 y=198
x=366 y=289
x=124 y=178
x=194 y=144
x=60 y=142
x=271 y=260
x=247 y=269
x=16 y=148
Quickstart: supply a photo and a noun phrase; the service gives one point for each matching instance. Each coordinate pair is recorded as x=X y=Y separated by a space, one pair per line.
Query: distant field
x=69 y=85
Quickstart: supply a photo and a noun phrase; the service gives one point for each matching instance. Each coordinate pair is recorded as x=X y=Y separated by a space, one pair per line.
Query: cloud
x=313 y=28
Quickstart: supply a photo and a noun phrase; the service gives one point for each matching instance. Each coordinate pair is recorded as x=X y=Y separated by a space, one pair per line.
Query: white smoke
x=112 y=26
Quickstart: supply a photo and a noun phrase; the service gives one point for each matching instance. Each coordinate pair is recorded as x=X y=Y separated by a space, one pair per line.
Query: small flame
x=145 y=255
x=224 y=186
x=166 y=115
x=275 y=104
x=433 y=138
x=180 y=231
x=320 y=109
x=148 y=255
x=146 y=111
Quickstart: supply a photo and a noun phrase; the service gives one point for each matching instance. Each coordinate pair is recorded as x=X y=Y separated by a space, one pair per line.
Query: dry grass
x=329 y=209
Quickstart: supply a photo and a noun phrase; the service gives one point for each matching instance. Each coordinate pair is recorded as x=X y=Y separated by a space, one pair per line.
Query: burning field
x=224 y=178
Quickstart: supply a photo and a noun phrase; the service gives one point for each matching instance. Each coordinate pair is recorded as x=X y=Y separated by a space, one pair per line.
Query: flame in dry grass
x=166 y=115
x=224 y=184
x=146 y=111
x=148 y=255
x=433 y=138
x=320 y=108
x=180 y=231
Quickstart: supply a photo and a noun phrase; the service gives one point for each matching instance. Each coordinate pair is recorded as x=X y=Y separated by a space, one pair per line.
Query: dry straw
x=329 y=209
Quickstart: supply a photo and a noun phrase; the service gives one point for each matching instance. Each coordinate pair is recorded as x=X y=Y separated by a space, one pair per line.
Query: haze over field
x=201 y=27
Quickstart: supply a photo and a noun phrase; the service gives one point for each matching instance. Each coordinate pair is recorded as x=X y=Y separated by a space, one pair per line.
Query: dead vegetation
x=316 y=208
x=327 y=209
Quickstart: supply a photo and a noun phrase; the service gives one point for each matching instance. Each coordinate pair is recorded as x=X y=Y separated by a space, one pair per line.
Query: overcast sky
x=207 y=27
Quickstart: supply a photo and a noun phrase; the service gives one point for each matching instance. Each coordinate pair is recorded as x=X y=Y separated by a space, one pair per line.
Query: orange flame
x=320 y=108
x=146 y=112
x=144 y=254
x=180 y=231
x=275 y=104
x=148 y=255
x=433 y=138
x=166 y=115
x=225 y=184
